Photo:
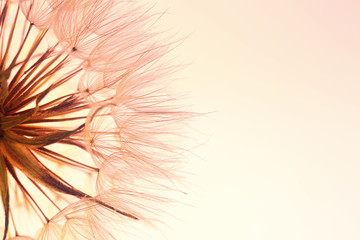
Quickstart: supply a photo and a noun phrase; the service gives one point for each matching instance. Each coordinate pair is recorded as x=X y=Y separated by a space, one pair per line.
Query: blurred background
x=278 y=157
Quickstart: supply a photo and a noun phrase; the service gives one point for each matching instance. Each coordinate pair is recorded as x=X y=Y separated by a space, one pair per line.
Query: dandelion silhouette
x=85 y=75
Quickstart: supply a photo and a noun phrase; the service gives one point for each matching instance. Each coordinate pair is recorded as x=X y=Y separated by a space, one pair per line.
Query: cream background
x=280 y=153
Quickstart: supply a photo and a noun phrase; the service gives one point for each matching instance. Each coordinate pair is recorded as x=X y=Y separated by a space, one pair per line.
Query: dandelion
x=82 y=100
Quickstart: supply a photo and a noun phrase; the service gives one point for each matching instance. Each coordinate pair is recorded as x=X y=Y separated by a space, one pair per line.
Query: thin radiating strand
x=50 y=179
x=34 y=83
x=13 y=63
x=63 y=159
x=27 y=74
x=3 y=21
x=9 y=41
x=13 y=222
x=33 y=48
x=23 y=189
x=43 y=192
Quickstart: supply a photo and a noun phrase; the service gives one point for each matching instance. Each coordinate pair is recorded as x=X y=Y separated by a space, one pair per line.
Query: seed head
x=82 y=100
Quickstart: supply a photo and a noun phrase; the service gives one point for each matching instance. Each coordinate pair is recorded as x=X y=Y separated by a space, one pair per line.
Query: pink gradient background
x=281 y=155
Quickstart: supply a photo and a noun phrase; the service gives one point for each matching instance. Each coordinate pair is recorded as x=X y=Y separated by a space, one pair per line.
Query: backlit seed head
x=83 y=100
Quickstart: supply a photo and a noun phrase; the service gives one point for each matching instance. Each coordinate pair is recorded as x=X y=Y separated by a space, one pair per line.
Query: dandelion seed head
x=89 y=134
